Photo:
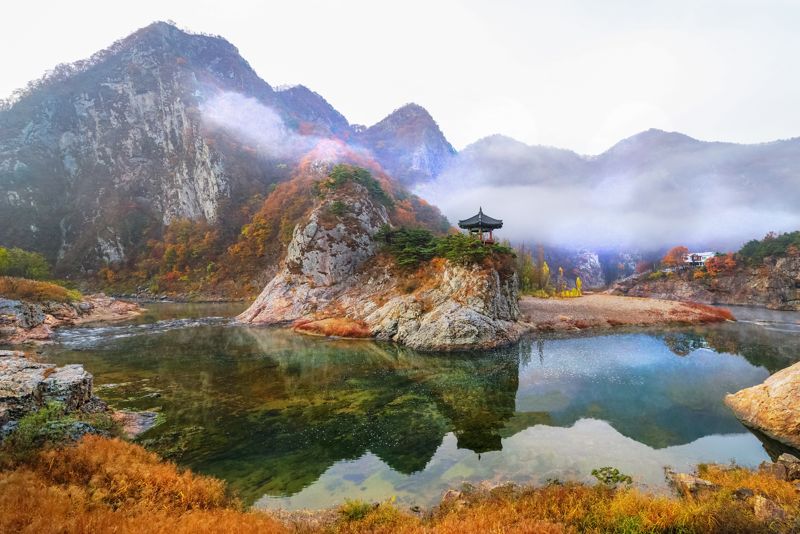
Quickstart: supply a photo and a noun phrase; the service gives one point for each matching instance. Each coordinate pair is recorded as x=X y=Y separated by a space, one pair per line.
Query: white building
x=696 y=259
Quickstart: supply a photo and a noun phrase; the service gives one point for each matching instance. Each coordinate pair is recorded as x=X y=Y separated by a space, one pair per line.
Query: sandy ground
x=605 y=311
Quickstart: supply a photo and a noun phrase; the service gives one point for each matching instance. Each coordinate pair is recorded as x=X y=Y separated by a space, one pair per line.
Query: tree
x=675 y=256
x=23 y=264
x=721 y=263
x=579 y=285
x=526 y=270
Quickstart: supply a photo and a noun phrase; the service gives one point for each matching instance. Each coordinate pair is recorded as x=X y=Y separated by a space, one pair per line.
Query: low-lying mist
x=702 y=195
x=255 y=124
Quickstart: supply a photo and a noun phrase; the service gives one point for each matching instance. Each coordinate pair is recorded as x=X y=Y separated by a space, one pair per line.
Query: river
x=293 y=421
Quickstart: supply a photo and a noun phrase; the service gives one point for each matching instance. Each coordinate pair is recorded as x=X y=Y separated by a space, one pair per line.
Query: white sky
x=573 y=74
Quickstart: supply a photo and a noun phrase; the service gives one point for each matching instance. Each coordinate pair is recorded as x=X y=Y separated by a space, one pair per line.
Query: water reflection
x=303 y=421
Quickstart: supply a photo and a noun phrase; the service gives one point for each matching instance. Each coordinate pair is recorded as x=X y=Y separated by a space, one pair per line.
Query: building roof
x=481 y=221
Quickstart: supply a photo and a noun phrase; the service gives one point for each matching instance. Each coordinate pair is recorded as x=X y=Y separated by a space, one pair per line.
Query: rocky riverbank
x=774 y=284
x=24 y=321
x=608 y=311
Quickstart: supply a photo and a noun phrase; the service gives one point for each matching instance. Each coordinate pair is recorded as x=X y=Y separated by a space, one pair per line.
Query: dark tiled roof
x=481 y=221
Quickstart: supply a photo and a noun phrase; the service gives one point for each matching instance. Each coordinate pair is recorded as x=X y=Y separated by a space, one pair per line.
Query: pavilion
x=481 y=224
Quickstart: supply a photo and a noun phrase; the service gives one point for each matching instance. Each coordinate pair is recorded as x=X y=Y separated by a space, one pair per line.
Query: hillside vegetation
x=233 y=257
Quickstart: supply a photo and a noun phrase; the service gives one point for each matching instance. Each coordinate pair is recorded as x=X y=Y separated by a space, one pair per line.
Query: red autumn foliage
x=721 y=264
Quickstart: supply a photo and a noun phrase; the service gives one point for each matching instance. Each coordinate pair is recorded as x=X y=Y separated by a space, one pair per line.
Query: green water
x=294 y=421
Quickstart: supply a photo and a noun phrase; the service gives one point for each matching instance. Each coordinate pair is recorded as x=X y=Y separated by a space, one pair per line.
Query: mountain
x=410 y=144
x=314 y=111
x=649 y=191
x=99 y=157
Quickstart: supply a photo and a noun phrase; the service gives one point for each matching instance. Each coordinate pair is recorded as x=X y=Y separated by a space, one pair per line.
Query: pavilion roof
x=481 y=220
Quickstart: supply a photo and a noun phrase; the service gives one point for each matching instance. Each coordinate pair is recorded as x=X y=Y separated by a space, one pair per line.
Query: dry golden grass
x=35 y=290
x=334 y=326
x=580 y=508
x=108 y=485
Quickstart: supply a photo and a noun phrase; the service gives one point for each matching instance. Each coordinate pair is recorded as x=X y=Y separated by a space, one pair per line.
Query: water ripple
x=92 y=336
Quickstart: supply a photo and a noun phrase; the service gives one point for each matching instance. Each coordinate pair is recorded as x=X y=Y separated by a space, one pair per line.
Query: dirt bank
x=607 y=311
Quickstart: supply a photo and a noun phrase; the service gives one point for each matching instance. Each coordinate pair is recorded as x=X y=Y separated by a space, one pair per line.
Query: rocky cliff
x=774 y=284
x=334 y=281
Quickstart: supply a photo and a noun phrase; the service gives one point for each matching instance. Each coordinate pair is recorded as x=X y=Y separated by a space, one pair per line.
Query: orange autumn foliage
x=721 y=264
x=675 y=256
x=35 y=290
x=107 y=485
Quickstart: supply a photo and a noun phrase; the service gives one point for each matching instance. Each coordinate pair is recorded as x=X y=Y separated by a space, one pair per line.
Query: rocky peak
x=325 y=252
x=409 y=144
x=311 y=108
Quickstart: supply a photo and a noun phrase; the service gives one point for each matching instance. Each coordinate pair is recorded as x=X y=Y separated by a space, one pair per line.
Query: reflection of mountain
x=635 y=382
x=272 y=411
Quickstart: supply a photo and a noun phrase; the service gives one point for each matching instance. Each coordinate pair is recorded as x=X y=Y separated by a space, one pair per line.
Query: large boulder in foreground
x=26 y=386
x=772 y=407
x=333 y=282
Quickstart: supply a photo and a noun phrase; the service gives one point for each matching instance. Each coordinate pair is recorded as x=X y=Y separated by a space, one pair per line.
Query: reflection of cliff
x=302 y=404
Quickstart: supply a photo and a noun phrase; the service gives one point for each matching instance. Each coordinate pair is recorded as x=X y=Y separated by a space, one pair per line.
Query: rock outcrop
x=26 y=386
x=775 y=284
x=333 y=282
x=22 y=321
x=772 y=407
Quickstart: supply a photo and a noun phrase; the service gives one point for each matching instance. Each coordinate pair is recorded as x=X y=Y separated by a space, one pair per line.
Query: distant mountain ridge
x=651 y=190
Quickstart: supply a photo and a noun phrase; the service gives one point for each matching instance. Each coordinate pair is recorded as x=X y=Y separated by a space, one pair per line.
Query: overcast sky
x=573 y=74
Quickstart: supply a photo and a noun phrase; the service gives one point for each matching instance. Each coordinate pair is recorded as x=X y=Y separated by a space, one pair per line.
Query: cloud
x=255 y=124
x=642 y=197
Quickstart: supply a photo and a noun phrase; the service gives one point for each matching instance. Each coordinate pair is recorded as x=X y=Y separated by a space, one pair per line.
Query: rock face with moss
x=333 y=281
x=772 y=407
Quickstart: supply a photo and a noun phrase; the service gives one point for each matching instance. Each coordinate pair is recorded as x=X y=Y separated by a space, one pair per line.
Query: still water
x=305 y=422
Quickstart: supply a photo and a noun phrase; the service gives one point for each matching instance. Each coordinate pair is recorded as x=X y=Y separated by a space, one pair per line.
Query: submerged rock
x=772 y=407
x=135 y=423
